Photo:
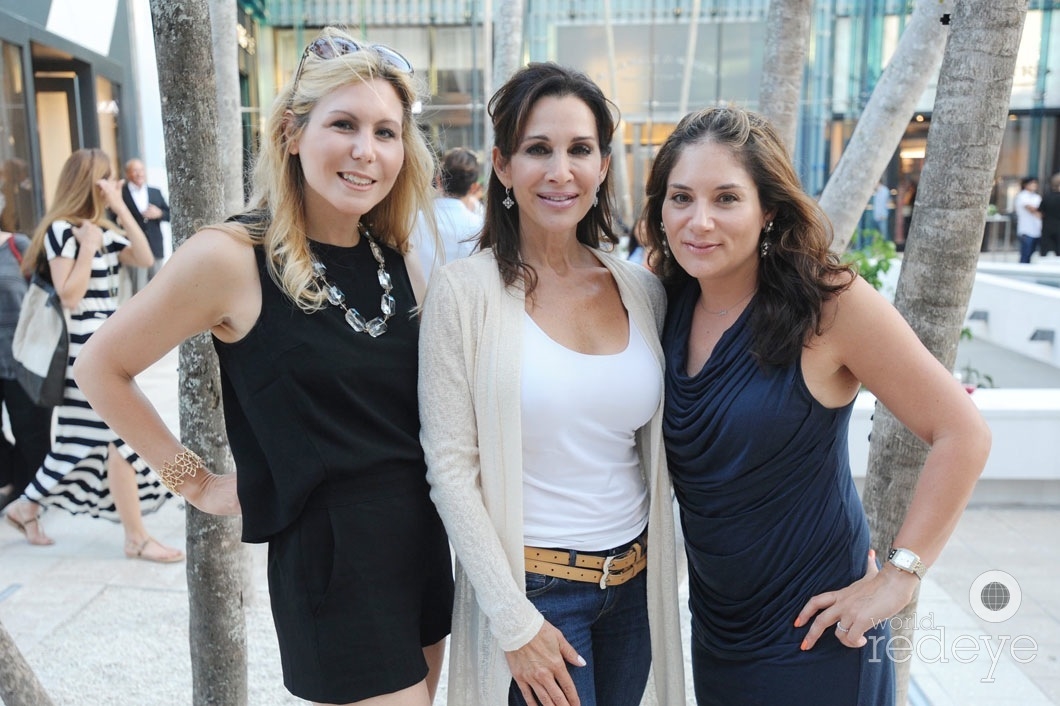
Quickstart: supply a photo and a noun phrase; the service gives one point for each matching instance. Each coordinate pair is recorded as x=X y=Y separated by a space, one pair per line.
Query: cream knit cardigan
x=469 y=385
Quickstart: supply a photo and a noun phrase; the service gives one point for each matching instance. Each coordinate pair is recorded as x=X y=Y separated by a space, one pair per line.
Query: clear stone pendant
x=335 y=296
x=376 y=327
x=355 y=320
x=386 y=303
x=384 y=280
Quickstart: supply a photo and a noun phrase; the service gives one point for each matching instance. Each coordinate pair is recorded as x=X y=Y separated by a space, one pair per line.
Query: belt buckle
x=606 y=571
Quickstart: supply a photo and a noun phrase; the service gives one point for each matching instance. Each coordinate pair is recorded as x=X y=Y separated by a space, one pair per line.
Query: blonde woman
x=89 y=468
x=310 y=305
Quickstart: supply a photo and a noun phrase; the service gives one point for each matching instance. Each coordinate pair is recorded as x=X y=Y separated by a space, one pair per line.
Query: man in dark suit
x=149 y=208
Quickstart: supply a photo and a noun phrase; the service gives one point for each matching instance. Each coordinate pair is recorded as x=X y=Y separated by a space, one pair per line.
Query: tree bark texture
x=215 y=571
x=507 y=41
x=880 y=128
x=223 y=27
x=787 y=36
x=19 y=685
x=938 y=270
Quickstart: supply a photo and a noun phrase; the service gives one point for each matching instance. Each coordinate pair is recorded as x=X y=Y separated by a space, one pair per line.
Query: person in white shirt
x=880 y=205
x=540 y=393
x=1028 y=217
x=456 y=212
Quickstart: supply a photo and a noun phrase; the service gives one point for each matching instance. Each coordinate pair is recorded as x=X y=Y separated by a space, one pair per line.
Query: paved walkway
x=99 y=628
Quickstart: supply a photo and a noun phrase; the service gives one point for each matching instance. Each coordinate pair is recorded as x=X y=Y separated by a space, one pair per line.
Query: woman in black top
x=30 y=424
x=309 y=302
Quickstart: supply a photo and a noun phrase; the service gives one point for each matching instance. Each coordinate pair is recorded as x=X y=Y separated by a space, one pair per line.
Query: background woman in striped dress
x=89 y=469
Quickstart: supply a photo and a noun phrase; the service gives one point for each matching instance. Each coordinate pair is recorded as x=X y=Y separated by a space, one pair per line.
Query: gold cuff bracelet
x=184 y=465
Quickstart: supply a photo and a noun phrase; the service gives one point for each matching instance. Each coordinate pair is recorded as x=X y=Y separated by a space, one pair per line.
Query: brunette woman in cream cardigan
x=540 y=400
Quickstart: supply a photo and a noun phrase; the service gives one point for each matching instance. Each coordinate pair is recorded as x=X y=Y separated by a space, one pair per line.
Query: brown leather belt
x=605 y=571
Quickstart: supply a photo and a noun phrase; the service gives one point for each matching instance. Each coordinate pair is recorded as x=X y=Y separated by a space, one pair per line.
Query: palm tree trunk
x=216 y=580
x=507 y=41
x=787 y=36
x=18 y=683
x=883 y=122
x=938 y=271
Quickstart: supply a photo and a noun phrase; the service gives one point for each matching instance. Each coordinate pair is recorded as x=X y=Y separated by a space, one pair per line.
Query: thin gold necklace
x=727 y=309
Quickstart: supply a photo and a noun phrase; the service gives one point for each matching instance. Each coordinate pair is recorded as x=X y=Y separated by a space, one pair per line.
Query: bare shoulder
x=858 y=300
x=217 y=270
x=215 y=255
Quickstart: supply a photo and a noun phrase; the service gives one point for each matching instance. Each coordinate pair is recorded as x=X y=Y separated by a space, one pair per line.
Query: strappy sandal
x=37 y=536
x=137 y=552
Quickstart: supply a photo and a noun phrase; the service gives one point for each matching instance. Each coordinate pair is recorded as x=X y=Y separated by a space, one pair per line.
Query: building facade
x=81 y=74
x=66 y=82
x=657 y=59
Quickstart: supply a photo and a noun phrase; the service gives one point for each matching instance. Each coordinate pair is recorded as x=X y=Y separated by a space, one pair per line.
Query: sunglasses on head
x=331 y=47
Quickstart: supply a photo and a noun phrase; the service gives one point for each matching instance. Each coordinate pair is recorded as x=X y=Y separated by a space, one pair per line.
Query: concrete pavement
x=101 y=629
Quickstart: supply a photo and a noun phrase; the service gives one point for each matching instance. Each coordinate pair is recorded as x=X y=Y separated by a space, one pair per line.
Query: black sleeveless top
x=312 y=406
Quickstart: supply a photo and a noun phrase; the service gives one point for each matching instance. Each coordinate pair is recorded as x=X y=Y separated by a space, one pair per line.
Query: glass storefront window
x=17 y=209
x=107 y=115
x=448 y=63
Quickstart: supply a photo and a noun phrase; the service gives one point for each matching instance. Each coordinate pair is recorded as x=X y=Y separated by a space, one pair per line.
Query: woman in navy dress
x=768 y=340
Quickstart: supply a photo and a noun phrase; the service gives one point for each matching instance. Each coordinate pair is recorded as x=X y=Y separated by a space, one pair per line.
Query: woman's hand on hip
x=216 y=494
x=852 y=611
x=539 y=668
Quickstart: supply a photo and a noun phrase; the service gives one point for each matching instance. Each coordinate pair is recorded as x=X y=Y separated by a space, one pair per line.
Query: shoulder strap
x=14 y=248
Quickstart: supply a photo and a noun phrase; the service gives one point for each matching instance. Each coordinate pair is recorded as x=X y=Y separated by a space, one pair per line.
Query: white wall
x=1016 y=306
x=1024 y=462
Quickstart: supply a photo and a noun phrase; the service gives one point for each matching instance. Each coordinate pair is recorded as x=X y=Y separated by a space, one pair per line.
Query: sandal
x=137 y=552
x=30 y=528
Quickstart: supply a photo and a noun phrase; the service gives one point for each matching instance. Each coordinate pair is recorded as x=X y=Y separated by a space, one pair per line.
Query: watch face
x=904 y=558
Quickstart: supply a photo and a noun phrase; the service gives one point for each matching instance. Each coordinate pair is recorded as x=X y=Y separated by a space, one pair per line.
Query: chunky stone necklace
x=377 y=326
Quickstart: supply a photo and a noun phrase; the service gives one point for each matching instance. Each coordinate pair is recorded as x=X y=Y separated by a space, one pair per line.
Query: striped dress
x=73 y=475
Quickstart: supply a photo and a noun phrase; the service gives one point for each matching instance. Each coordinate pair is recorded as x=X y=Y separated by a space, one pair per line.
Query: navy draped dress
x=770 y=517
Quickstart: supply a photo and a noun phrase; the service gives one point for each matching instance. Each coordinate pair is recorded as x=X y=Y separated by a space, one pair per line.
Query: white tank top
x=582 y=484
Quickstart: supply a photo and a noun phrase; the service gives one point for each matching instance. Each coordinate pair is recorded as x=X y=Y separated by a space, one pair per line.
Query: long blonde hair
x=276 y=218
x=76 y=200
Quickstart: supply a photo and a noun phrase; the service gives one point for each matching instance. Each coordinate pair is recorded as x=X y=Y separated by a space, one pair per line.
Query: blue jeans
x=1028 y=244
x=609 y=628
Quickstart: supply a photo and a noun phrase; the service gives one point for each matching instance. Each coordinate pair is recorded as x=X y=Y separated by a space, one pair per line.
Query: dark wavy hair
x=458 y=172
x=510 y=108
x=799 y=273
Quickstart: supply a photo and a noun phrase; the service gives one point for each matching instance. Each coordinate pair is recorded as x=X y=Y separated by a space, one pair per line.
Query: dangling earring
x=508 y=203
x=596 y=197
x=662 y=226
x=763 y=249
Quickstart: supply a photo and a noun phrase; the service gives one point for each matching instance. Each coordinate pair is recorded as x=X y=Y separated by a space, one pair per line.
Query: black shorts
x=358 y=588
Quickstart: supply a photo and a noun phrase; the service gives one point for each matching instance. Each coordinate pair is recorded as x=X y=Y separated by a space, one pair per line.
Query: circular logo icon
x=995 y=596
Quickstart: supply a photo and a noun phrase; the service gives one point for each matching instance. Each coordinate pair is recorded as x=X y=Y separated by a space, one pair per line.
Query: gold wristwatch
x=906 y=560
